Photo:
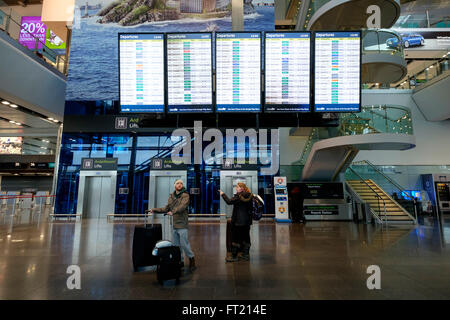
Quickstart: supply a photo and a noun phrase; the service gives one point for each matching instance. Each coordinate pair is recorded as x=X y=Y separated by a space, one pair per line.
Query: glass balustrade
x=10 y=24
x=382 y=41
x=372 y=119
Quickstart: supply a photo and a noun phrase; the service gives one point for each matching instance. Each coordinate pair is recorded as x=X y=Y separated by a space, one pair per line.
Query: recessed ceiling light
x=13 y=105
x=5 y=102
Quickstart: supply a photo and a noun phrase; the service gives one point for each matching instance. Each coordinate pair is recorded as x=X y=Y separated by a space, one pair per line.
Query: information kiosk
x=281 y=199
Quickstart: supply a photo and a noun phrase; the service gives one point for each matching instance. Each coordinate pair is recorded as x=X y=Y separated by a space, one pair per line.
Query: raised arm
x=230 y=201
x=163 y=209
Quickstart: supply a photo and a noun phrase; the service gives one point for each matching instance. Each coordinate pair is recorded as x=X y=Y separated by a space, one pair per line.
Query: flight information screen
x=189 y=72
x=337 y=71
x=287 y=71
x=238 y=72
x=141 y=75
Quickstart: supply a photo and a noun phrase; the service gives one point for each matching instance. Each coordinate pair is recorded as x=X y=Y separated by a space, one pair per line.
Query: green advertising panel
x=53 y=41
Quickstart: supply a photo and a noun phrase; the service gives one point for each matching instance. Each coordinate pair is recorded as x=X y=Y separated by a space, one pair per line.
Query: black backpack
x=257 y=207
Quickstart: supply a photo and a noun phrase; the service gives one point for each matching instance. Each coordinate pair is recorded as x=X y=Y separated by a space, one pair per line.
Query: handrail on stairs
x=396 y=185
x=376 y=196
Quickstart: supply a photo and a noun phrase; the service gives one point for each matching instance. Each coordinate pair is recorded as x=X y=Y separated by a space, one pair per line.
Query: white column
x=237 y=15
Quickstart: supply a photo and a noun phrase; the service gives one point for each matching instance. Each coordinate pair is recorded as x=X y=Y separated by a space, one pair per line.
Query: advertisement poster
x=52 y=41
x=10 y=145
x=93 y=70
x=32 y=28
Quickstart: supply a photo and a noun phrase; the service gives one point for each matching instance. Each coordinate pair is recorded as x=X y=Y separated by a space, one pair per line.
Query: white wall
x=432 y=138
x=291 y=147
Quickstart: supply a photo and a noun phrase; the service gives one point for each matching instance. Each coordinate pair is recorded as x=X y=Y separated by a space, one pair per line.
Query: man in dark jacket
x=241 y=221
x=177 y=206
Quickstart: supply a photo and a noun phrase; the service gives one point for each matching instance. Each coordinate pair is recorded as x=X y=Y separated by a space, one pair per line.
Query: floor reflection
x=316 y=260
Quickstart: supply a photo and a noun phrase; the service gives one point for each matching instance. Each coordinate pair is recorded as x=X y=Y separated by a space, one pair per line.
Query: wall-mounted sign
x=318 y=190
x=31 y=29
x=194 y=191
x=54 y=42
x=99 y=164
x=166 y=164
x=234 y=165
x=321 y=210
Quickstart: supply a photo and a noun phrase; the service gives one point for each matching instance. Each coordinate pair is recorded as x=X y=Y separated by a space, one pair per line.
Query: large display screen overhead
x=189 y=72
x=287 y=71
x=337 y=85
x=238 y=72
x=141 y=65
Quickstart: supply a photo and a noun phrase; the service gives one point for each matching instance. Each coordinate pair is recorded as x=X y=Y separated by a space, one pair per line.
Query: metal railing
x=397 y=186
x=19 y=209
x=15 y=31
x=377 y=196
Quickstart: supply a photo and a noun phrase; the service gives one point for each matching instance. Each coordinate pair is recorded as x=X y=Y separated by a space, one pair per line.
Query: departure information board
x=141 y=75
x=238 y=72
x=287 y=71
x=189 y=72
x=337 y=71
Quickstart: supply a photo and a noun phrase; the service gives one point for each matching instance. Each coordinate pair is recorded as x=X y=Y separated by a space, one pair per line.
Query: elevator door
x=97 y=195
x=164 y=186
x=230 y=189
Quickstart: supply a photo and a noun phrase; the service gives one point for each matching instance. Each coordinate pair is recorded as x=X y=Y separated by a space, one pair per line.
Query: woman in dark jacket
x=241 y=221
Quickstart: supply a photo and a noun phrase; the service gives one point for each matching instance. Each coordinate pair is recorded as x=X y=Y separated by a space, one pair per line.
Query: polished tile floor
x=319 y=260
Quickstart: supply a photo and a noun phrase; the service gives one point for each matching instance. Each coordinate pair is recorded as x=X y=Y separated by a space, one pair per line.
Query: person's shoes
x=233 y=257
x=192 y=266
x=245 y=256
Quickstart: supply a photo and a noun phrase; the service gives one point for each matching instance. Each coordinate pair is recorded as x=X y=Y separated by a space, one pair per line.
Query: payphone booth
x=163 y=174
x=437 y=187
x=97 y=187
x=230 y=176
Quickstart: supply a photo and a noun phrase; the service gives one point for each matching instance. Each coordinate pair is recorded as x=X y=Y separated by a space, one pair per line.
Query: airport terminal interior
x=334 y=113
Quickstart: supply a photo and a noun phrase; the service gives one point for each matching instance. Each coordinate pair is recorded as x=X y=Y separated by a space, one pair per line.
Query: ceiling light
x=55 y=121
x=50 y=118
x=18 y=123
x=431 y=67
x=43 y=148
x=13 y=105
x=5 y=102
x=10 y=121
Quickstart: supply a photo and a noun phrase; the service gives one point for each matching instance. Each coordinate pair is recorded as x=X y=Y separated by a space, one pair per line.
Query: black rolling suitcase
x=144 y=240
x=169 y=264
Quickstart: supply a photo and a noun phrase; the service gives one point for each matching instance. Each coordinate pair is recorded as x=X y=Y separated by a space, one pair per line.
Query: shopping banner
x=31 y=29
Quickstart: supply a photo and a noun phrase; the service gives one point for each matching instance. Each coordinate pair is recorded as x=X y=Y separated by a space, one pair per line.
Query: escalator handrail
x=376 y=194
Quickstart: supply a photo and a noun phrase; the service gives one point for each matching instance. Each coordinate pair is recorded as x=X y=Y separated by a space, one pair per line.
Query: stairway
x=394 y=212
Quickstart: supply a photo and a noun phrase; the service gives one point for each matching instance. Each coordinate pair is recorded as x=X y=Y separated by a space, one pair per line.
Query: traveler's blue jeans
x=180 y=238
